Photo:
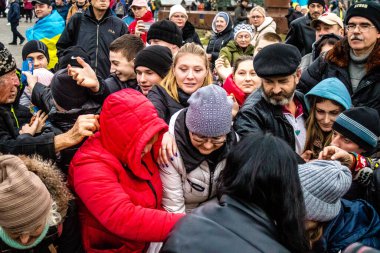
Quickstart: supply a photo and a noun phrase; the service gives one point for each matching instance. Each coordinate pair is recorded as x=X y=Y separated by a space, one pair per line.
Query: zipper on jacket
x=211 y=183
x=153 y=190
x=97 y=48
x=14 y=116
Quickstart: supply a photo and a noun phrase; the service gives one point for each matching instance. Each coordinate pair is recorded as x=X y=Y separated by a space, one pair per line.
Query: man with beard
x=301 y=34
x=280 y=110
x=355 y=59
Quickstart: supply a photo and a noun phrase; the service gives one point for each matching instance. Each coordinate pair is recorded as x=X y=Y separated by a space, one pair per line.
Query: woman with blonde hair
x=189 y=72
x=261 y=24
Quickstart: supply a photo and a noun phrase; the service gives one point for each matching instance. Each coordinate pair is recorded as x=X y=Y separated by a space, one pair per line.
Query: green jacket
x=232 y=51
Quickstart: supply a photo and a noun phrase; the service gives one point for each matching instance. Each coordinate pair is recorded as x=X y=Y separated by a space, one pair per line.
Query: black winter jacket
x=335 y=64
x=165 y=105
x=95 y=36
x=189 y=34
x=261 y=116
x=219 y=40
x=14 y=13
x=301 y=34
x=12 y=118
x=244 y=227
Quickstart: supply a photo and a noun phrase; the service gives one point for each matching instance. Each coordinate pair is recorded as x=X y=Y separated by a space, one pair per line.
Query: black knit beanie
x=361 y=125
x=7 y=62
x=368 y=10
x=66 y=92
x=34 y=46
x=69 y=57
x=157 y=58
x=167 y=31
x=321 y=2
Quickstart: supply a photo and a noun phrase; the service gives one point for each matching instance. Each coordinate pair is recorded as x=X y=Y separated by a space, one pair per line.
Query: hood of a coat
x=128 y=121
x=90 y=13
x=148 y=17
x=316 y=44
x=228 y=27
x=267 y=22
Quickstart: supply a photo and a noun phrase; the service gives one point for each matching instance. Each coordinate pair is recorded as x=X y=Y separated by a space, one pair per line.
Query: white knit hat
x=242 y=28
x=324 y=183
x=177 y=9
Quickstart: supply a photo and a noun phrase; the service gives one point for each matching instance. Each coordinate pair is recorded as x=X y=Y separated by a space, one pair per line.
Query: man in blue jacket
x=13 y=19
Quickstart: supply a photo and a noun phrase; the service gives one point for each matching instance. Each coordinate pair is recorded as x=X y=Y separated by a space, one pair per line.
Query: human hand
x=167 y=151
x=85 y=125
x=30 y=128
x=31 y=80
x=84 y=76
x=140 y=28
x=335 y=153
x=223 y=68
x=235 y=105
x=306 y=156
x=41 y=118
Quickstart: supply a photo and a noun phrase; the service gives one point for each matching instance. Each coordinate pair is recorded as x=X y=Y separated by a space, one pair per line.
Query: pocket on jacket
x=195 y=188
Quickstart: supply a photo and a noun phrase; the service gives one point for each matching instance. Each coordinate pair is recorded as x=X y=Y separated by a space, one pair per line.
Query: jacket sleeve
x=98 y=187
x=247 y=122
x=293 y=37
x=67 y=38
x=224 y=52
x=172 y=199
x=42 y=98
x=312 y=75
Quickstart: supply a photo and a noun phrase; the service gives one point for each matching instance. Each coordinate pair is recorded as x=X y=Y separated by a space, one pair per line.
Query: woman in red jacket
x=117 y=181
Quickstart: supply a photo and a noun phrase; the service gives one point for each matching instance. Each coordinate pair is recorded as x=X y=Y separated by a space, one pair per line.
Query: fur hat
x=25 y=202
x=7 y=62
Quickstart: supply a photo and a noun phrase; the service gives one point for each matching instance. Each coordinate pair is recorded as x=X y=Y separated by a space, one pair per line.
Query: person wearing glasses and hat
x=354 y=60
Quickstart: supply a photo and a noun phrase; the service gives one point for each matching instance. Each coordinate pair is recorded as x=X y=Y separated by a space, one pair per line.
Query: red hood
x=230 y=87
x=128 y=121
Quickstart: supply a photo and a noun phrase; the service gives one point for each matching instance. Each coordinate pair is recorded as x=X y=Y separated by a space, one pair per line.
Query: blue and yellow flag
x=48 y=30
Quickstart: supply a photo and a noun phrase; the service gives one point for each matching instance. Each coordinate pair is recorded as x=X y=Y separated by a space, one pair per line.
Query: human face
x=322 y=29
x=298 y=8
x=325 y=114
x=27 y=238
x=362 y=39
x=42 y=10
x=100 y=5
x=315 y=10
x=243 y=39
x=120 y=65
x=39 y=60
x=280 y=90
x=338 y=140
x=59 y=2
x=245 y=77
x=9 y=84
x=326 y=48
x=81 y=2
x=149 y=145
x=262 y=43
x=206 y=145
x=220 y=24
x=256 y=19
x=244 y=3
x=173 y=48
x=179 y=19
x=190 y=72
x=139 y=11
x=146 y=78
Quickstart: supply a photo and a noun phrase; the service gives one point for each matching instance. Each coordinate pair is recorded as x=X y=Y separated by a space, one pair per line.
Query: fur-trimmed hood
x=53 y=180
x=340 y=55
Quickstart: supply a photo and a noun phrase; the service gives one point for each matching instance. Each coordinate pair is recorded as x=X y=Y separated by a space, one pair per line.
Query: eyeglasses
x=214 y=140
x=179 y=16
x=256 y=17
x=362 y=27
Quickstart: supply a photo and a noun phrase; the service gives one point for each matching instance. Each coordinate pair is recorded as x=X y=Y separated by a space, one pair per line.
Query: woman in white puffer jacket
x=204 y=136
x=260 y=23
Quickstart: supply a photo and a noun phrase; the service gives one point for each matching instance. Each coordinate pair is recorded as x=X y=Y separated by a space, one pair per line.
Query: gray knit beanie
x=210 y=112
x=323 y=184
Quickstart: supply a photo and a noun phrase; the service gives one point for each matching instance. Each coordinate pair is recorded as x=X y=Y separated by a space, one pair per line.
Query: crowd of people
x=135 y=137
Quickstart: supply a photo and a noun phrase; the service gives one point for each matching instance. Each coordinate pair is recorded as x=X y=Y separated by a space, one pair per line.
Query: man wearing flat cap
x=280 y=110
x=355 y=59
x=300 y=33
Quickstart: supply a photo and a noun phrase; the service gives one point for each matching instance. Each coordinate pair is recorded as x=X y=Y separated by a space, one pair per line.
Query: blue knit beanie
x=332 y=89
x=210 y=112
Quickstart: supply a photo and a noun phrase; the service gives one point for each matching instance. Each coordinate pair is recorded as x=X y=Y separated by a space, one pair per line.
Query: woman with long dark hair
x=260 y=207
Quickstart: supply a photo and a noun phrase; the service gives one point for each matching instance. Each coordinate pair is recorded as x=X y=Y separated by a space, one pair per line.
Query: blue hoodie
x=332 y=89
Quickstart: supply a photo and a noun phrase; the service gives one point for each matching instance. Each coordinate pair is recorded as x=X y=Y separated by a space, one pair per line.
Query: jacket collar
x=90 y=13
